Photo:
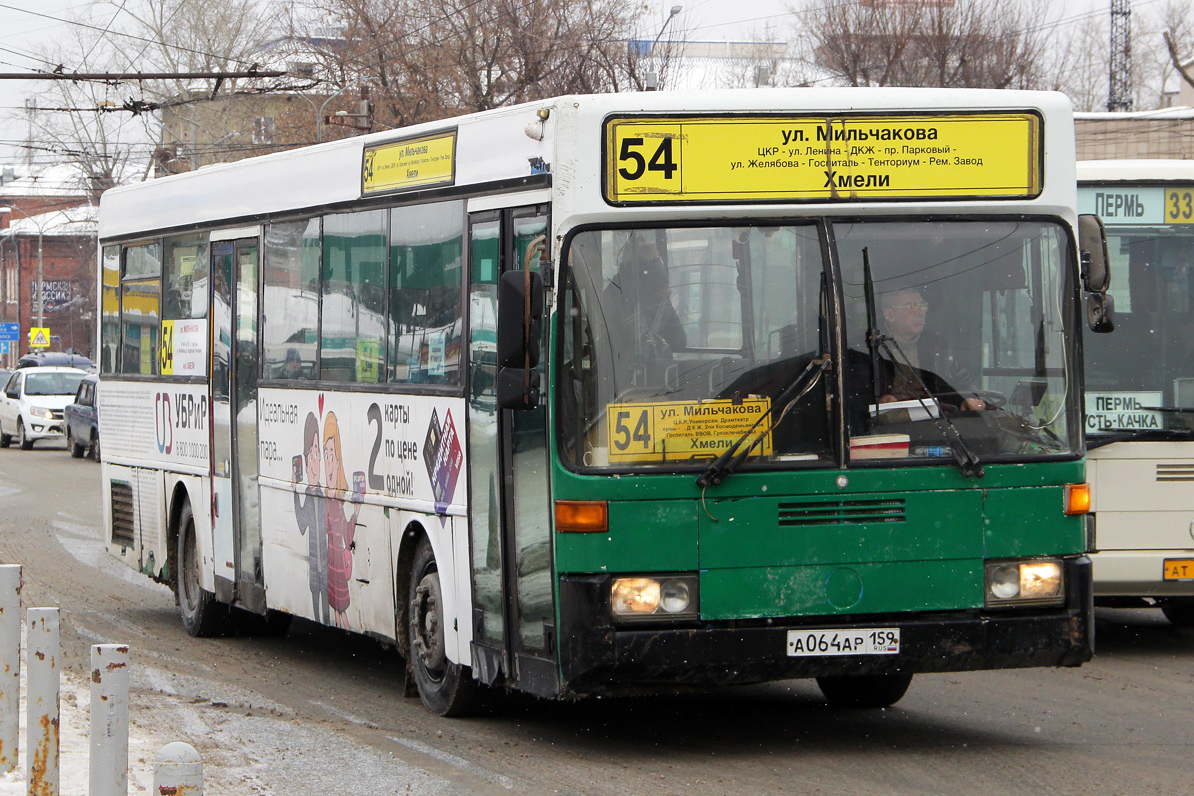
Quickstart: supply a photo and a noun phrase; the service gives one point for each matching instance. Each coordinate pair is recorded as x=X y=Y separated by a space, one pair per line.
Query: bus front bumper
x=598 y=657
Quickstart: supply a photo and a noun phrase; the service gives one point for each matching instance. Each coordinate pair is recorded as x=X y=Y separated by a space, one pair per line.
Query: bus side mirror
x=1100 y=308
x=519 y=327
x=1092 y=247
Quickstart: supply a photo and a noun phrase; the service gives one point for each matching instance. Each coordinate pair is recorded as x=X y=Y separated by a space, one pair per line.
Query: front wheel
x=202 y=614
x=446 y=688
x=23 y=438
x=95 y=446
x=864 y=691
x=1179 y=611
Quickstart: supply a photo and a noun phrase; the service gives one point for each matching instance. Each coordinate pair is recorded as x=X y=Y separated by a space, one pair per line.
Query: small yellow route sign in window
x=674 y=431
x=414 y=163
x=1179 y=205
x=819 y=158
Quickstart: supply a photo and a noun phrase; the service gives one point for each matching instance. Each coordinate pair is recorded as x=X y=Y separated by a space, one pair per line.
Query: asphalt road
x=320 y=712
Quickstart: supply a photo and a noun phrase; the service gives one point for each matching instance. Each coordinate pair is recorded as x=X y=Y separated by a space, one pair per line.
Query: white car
x=33 y=401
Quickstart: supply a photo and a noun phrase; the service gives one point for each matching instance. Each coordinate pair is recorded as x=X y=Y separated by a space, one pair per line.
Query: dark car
x=82 y=423
x=37 y=359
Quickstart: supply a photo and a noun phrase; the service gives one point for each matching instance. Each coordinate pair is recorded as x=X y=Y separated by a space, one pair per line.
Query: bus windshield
x=677 y=341
x=1151 y=394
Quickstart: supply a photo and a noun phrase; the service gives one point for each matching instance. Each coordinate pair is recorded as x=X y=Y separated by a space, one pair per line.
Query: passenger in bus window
x=903 y=313
x=292 y=368
x=341 y=530
x=638 y=302
x=310 y=512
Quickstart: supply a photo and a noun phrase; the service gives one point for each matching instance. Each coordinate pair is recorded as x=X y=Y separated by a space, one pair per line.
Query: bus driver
x=904 y=320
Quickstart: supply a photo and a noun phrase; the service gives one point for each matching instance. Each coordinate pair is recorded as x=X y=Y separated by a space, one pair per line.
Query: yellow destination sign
x=415 y=163
x=835 y=158
x=675 y=431
x=1179 y=205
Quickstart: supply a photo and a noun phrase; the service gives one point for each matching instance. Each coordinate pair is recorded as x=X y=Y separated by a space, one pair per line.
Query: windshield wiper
x=1143 y=435
x=729 y=461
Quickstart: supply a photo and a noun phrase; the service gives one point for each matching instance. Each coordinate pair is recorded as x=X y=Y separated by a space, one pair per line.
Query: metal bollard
x=108 y=767
x=10 y=665
x=41 y=701
x=178 y=771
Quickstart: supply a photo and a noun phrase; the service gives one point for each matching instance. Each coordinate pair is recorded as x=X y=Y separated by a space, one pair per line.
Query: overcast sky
x=24 y=24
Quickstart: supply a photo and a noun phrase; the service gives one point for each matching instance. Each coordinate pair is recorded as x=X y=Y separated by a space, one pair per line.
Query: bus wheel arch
x=445 y=688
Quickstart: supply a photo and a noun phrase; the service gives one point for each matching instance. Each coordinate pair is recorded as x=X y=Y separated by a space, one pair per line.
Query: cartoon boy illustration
x=310 y=511
x=340 y=529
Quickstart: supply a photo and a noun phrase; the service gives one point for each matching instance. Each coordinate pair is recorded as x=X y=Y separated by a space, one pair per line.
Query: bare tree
x=420 y=60
x=962 y=43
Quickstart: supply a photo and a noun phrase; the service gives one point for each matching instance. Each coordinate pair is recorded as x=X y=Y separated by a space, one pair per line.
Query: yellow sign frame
x=701 y=430
x=837 y=157
x=410 y=163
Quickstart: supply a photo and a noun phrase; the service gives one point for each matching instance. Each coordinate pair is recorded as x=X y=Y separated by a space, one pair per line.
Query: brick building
x=50 y=222
x=1166 y=133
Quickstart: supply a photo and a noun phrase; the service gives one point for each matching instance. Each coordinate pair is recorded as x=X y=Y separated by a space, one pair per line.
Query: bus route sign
x=671 y=431
x=413 y=163
x=818 y=158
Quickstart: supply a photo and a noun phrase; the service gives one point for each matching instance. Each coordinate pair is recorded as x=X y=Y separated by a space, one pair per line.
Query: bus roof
x=497 y=146
x=1144 y=170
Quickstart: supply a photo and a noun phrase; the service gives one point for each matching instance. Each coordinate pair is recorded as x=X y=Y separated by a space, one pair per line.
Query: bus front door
x=236 y=522
x=509 y=500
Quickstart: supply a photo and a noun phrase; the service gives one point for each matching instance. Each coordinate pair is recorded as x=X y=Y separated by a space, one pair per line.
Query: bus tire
x=446 y=688
x=864 y=691
x=202 y=615
x=1179 y=611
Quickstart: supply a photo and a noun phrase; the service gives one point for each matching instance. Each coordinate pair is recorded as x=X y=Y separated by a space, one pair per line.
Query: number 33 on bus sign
x=1179 y=206
x=672 y=431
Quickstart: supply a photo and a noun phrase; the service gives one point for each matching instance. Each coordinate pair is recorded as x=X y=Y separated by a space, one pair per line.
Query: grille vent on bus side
x=846 y=512
x=122 y=513
x=1175 y=472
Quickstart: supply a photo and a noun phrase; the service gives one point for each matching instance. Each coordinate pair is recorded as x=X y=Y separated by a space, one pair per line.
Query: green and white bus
x=620 y=393
x=1140 y=391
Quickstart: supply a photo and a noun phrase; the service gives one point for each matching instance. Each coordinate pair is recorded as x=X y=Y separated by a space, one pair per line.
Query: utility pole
x=1120 y=95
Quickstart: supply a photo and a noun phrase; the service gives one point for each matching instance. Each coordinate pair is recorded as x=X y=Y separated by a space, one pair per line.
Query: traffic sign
x=10 y=332
x=39 y=337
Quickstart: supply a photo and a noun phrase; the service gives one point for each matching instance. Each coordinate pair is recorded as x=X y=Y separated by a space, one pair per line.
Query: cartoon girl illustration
x=310 y=512
x=340 y=528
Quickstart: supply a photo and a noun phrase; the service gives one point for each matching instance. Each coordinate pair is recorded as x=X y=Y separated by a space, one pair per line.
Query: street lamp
x=41 y=298
x=653 y=76
x=319 y=113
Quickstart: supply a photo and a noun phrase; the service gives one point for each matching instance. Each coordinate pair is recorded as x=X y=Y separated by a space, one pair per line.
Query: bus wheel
x=1180 y=612
x=864 y=691
x=201 y=614
x=446 y=688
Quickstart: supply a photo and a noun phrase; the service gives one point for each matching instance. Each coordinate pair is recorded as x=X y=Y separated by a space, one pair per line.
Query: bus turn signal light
x=582 y=516
x=1077 y=498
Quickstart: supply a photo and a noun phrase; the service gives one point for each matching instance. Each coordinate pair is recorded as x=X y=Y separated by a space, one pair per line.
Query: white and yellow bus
x=1140 y=387
x=614 y=393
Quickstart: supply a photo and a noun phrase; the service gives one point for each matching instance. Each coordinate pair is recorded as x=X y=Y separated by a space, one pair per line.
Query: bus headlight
x=1039 y=581
x=654 y=598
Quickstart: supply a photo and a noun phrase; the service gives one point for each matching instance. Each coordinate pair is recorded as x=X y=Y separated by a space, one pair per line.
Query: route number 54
x=630 y=430
x=662 y=160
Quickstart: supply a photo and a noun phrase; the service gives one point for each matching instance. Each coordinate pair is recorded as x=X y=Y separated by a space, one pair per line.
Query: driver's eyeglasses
x=918 y=306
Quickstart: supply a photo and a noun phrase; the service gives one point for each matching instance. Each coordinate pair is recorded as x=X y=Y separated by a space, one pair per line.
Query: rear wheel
x=864 y=691
x=446 y=688
x=5 y=439
x=23 y=439
x=76 y=450
x=1179 y=611
x=202 y=614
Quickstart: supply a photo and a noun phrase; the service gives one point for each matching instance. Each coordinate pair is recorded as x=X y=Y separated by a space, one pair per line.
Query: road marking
x=453 y=760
